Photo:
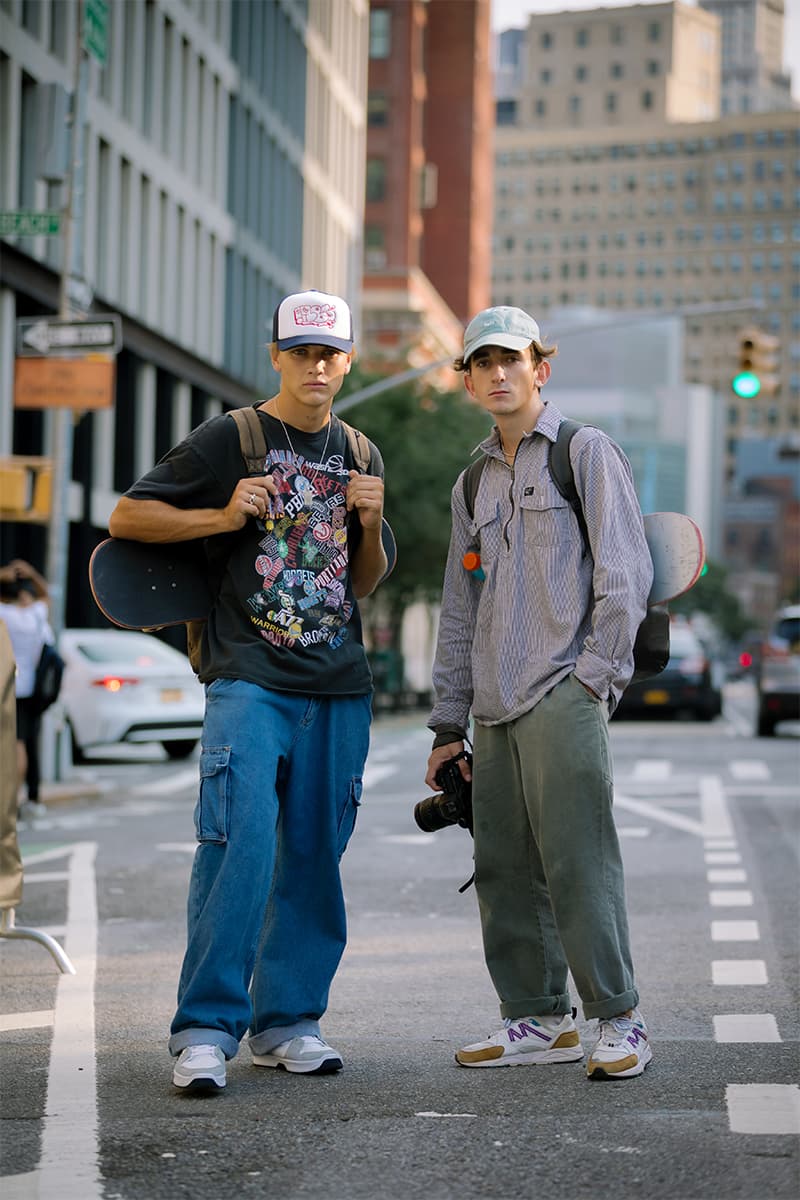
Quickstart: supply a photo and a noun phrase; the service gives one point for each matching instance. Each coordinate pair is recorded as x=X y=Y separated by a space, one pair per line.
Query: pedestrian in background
x=288 y=701
x=24 y=606
x=540 y=650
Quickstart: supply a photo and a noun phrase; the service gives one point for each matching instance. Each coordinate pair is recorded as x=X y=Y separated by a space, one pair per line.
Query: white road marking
x=769 y=1108
x=746 y=1027
x=68 y=1164
x=714 y=808
x=408 y=839
x=46 y=876
x=735 y=931
x=438 y=1114
x=652 y=770
x=633 y=831
x=182 y=847
x=721 y=856
x=25 y=1020
x=720 y=844
x=749 y=768
x=170 y=783
x=729 y=898
x=738 y=972
x=373 y=775
x=726 y=875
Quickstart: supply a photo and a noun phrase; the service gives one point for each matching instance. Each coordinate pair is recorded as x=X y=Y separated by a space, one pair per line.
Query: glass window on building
x=376 y=178
x=617 y=35
x=546 y=40
x=611 y=101
x=647 y=99
x=581 y=73
x=540 y=108
x=581 y=37
x=654 y=31
x=653 y=66
x=546 y=75
x=380 y=33
x=616 y=70
x=377 y=108
x=574 y=106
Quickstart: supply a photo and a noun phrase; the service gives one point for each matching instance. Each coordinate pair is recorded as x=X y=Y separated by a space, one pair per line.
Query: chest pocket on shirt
x=547 y=517
x=486 y=529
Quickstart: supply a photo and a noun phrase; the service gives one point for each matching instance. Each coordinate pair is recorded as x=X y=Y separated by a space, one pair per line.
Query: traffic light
x=759 y=365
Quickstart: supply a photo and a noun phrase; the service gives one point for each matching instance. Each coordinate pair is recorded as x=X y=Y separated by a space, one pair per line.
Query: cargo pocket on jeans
x=211 y=810
x=347 y=821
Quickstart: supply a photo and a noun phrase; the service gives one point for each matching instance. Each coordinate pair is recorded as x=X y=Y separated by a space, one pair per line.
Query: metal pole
x=71 y=265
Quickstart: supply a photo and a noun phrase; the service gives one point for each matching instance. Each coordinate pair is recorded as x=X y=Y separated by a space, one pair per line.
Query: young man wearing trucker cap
x=540 y=651
x=288 y=700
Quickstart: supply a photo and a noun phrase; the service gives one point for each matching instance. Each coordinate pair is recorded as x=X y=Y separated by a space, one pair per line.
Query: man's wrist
x=446 y=734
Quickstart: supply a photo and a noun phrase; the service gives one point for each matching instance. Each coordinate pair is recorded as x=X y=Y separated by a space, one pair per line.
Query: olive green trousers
x=548 y=868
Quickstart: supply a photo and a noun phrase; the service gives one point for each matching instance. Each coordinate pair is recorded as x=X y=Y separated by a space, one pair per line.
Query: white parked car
x=129 y=687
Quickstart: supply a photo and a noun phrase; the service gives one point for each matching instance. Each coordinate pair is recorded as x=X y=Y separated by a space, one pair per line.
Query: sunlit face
x=311 y=375
x=505 y=382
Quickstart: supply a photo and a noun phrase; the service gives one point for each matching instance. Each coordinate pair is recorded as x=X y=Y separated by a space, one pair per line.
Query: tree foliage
x=426 y=438
x=710 y=595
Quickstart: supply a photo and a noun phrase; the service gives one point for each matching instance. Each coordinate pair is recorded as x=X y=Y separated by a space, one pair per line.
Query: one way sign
x=42 y=336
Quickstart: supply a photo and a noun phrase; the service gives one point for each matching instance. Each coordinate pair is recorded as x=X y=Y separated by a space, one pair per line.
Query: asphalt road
x=709 y=821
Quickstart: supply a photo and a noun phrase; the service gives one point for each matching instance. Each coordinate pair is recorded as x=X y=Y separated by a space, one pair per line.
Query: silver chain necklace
x=289 y=440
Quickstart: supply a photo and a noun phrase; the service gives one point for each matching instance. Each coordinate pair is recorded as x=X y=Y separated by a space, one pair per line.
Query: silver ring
x=252 y=497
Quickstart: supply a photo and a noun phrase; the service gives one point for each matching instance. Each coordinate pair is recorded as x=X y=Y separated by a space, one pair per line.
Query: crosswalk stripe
x=738 y=972
x=746 y=1027
x=763 y=1107
x=749 y=769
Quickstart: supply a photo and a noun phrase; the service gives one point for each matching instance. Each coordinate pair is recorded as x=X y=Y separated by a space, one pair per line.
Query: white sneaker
x=524 y=1042
x=200 y=1067
x=307 y=1055
x=623 y=1048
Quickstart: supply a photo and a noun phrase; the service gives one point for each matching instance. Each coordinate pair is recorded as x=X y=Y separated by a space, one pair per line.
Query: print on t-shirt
x=302 y=560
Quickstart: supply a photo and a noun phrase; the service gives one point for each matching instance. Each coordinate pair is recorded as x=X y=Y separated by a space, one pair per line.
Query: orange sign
x=79 y=383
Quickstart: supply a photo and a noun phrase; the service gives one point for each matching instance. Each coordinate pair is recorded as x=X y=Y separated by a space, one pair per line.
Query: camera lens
x=436 y=812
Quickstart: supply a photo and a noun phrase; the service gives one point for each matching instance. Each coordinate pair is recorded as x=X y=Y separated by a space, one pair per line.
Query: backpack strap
x=471 y=482
x=251 y=438
x=560 y=467
x=359 y=446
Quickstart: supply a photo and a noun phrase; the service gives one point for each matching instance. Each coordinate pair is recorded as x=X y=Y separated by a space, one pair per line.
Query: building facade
x=223 y=167
x=752 y=78
x=428 y=178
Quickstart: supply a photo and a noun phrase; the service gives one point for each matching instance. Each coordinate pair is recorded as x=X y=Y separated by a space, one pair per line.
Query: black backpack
x=651 y=649
x=47 y=680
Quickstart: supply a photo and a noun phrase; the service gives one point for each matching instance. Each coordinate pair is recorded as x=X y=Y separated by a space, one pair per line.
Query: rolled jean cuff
x=266 y=1041
x=536 y=1006
x=601 y=1010
x=198 y=1036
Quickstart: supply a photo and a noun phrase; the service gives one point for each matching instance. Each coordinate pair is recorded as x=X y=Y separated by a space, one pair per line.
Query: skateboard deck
x=678 y=553
x=151 y=585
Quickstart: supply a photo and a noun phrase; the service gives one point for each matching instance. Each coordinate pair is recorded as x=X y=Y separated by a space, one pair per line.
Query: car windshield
x=789 y=629
x=132 y=653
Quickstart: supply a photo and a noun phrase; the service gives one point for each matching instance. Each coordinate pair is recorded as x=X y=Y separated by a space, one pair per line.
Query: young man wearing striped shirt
x=539 y=650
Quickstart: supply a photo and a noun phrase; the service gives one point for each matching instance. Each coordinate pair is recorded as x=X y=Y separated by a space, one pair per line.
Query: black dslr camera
x=454 y=805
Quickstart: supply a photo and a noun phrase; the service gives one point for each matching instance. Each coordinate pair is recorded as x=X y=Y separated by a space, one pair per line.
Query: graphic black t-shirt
x=285 y=616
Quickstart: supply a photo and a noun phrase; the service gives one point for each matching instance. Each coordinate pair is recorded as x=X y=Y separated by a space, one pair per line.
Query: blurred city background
x=629 y=174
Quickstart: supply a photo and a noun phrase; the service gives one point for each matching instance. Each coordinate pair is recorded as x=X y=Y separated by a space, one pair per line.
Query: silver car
x=779 y=672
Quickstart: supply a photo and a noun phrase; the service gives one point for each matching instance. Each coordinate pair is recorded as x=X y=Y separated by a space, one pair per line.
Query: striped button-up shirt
x=549 y=605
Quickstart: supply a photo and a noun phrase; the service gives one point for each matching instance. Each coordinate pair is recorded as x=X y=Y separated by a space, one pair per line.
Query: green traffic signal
x=746 y=385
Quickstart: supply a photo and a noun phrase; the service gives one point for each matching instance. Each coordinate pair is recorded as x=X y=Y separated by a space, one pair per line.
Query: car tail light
x=745 y=659
x=113 y=683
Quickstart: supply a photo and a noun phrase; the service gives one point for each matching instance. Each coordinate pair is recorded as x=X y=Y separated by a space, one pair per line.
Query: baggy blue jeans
x=280 y=785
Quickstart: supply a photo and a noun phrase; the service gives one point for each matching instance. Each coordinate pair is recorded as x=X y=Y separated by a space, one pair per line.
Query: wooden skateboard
x=151 y=585
x=678 y=553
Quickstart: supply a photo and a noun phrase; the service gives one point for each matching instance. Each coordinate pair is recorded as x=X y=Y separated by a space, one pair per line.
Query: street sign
x=77 y=383
x=95 y=30
x=42 y=336
x=25 y=222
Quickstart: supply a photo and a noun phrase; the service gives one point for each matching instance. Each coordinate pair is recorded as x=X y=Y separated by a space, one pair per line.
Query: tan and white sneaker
x=623 y=1049
x=526 y=1041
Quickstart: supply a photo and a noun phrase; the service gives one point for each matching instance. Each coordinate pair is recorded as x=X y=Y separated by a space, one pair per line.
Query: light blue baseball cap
x=500 y=326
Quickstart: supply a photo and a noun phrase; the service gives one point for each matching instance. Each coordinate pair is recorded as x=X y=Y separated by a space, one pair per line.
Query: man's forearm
x=369 y=563
x=155 y=521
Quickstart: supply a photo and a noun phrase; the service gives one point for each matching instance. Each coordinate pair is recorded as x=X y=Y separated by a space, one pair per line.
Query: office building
x=428 y=178
x=752 y=78
x=223 y=167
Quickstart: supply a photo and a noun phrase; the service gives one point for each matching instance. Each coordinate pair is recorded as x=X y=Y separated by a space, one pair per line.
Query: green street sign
x=95 y=30
x=25 y=222
x=746 y=385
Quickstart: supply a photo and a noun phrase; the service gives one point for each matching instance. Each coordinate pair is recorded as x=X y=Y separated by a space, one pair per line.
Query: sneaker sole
x=601 y=1071
x=320 y=1066
x=567 y=1055
x=202 y=1083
